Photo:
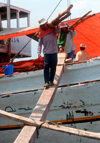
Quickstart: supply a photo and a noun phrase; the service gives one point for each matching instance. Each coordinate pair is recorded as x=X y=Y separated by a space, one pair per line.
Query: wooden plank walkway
x=47 y=125
x=28 y=133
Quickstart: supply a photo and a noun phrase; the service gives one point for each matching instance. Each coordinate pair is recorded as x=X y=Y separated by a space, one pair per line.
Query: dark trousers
x=50 y=62
x=71 y=55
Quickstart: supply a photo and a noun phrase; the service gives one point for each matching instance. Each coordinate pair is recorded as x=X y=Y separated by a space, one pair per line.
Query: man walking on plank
x=47 y=38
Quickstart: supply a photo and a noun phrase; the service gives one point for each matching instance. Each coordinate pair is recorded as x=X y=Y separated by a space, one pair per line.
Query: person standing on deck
x=65 y=40
x=47 y=38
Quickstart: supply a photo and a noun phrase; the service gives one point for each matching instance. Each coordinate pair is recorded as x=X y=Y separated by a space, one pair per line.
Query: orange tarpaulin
x=15 y=33
x=88 y=32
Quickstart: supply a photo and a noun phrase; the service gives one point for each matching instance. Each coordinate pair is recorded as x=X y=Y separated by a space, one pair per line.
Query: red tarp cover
x=88 y=33
x=15 y=33
x=23 y=66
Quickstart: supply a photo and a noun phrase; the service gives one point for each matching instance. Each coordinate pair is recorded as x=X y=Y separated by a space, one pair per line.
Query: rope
x=54 y=9
x=38 y=127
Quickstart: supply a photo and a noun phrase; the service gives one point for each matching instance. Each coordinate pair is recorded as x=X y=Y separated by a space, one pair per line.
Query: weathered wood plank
x=43 y=104
x=46 y=125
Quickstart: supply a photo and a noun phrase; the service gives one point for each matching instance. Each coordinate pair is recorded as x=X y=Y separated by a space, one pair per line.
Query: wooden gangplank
x=28 y=133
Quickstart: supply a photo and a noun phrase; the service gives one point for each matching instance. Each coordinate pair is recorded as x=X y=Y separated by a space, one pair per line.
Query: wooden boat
x=9 y=48
x=77 y=97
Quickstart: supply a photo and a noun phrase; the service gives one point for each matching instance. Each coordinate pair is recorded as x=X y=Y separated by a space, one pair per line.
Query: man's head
x=42 y=23
x=63 y=26
x=82 y=47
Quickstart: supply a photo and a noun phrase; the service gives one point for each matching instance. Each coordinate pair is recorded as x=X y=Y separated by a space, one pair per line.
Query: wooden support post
x=43 y=105
x=47 y=125
x=8 y=14
x=9 y=49
x=28 y=20
x=17 y=14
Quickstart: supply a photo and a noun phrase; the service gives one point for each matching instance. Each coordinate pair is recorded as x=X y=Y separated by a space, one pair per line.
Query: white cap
x=82 y=45
x=42 y=21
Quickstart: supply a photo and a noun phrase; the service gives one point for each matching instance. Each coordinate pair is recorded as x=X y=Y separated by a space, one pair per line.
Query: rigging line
x=20 y=51
x=54 y=9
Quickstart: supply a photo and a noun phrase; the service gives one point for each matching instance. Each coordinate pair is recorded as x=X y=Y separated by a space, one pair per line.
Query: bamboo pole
x=61 y=15
x=78 y=120
x=56 y=21
x=79 y=20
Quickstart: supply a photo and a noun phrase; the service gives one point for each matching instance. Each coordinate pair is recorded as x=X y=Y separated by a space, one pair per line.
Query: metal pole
x=8 y=13
x=68 y=3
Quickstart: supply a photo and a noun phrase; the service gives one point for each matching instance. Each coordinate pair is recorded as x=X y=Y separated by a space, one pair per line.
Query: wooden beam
x=59 y=122
x=9 y=49
x=54 y=22
x=60 y=17
x=48 y=125
x=79 y=20
x=43 y=105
